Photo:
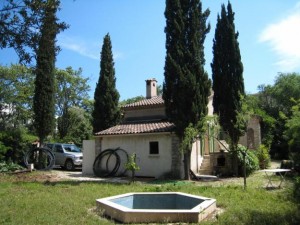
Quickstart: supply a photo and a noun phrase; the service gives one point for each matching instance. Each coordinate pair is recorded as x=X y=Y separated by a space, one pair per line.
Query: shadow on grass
x=77 y=182
x=292 y=217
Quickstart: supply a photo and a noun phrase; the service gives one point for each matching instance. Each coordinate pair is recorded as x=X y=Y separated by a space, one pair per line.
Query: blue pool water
x=157 y=201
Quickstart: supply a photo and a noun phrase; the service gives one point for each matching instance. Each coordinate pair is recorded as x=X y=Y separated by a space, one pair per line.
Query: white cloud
x=79 y=46
x=284 y=39
x=90 y=50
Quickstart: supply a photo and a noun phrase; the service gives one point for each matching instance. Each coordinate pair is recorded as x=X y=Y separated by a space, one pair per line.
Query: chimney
x=151 y=90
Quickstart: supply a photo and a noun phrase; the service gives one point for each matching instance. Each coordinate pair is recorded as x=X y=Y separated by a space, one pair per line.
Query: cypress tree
x=106 y=110
x=44 y=100
x=227 y=74
x=186 y=86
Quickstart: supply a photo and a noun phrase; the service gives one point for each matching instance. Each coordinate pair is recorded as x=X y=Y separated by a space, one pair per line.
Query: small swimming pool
x=150 y=207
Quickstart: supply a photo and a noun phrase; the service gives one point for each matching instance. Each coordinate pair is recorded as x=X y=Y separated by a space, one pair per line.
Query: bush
x=14 y=143
x=296 y=159
x=9 y=167
x=263 y=156
x=287 y=164
x=252 y=163
x=297 y=189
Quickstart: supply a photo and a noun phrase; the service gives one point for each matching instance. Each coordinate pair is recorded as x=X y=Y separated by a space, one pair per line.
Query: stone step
x=205 y=163
x=205 y=168
x=205 y=172
x=207 y=177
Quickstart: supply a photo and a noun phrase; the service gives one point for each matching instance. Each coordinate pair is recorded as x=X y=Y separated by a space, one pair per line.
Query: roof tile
x=138 y=128
x=158 y=100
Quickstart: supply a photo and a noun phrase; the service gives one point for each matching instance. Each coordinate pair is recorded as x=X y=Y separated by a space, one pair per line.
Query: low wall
x=89 y=156
x=219 y=168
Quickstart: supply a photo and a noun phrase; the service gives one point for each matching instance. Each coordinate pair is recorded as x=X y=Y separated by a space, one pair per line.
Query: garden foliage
x=252 y=162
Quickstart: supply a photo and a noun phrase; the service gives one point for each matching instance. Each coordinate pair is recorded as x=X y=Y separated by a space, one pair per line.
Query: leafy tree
x=14 y=143
x=277 y=101
x=292 y=132
x=132 y=166
x=16 y=91
x=186 y=87
x=71 y=91
x=44 y=95
x=227 y=74
x=79 y=126
x=106 y=110
x=131 y=100
x=267 y=122
x=285 y=88
x=293 y=125
x=20 y=23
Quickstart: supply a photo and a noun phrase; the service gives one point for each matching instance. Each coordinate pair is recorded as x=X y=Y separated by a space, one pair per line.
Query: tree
x=277 y=101
x=132 y=166
x=227 y=74
x=106 y=111
x=20 y=23
x=44 y=95
x=78 y=127
x=16 y=91
x=267 y=122
x=131 y=100
x=71 y=91
x=292 y=132
x=186 y=86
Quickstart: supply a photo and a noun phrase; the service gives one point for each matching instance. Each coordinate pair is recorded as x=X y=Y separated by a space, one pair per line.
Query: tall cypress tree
x=186 y=86
x=44 y=100
x=227 y=74
x=106 y=110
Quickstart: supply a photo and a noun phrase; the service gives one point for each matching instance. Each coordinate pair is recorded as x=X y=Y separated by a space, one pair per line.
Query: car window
x=49 y=146
x=71 y=148
x=58 y=148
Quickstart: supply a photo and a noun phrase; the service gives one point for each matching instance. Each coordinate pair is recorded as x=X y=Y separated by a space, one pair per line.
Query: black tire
x=69 y=165
x=47 y=157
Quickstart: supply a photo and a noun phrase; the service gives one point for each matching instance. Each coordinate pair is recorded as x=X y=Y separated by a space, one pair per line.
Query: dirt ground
x=60 y=175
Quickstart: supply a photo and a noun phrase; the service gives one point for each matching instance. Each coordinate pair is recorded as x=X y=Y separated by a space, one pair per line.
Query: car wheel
x=69 y=165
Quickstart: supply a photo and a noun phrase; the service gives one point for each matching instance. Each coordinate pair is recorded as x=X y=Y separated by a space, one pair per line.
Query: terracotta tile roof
x=138 y=128
x=158 y=100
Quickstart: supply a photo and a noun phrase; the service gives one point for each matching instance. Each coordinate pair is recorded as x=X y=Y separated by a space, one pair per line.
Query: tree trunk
x=187 y=165
x=234 y=166
x=245 y=172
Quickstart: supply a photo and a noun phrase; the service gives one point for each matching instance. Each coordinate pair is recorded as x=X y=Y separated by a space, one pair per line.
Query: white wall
x=88 y=150
x=196 y=157
x=150 y=165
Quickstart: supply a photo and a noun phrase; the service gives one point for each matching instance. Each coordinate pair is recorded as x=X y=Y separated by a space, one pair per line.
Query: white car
x=67 y=156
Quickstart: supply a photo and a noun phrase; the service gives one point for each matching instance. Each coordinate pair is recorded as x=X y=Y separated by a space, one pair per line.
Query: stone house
x=147 y=132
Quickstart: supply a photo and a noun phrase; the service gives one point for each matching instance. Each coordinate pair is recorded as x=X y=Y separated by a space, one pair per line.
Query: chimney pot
x=151 y=90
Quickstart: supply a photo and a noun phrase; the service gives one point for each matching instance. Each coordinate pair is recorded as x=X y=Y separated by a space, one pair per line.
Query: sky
x=269 y=40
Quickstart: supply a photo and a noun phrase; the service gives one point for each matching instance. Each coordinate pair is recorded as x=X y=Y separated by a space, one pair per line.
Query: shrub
x=9 y=167
x=132 y=166
x=14 y=143
x=263 y=156
x=297 y=189
x=296 y=159
x=252 y=163
x=287 y=164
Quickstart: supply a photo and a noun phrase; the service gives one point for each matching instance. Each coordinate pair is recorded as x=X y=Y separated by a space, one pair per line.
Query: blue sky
x=269 y=38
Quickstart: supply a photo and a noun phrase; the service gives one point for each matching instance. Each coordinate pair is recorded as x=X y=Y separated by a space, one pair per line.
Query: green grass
x=71 y=202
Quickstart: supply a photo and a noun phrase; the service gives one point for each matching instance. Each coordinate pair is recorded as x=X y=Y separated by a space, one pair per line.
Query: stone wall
x=221 y=163
x=252 y=137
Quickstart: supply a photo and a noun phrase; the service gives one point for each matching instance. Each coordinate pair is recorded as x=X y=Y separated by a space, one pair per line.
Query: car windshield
x=71 y=148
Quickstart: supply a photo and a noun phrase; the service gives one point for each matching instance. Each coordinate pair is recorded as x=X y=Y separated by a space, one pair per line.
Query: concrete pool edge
x=128 y=215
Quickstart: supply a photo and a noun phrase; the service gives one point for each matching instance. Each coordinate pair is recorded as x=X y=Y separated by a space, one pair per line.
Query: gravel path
x=77 y=175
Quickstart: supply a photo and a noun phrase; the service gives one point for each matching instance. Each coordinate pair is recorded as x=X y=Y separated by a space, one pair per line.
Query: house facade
x=146 y=132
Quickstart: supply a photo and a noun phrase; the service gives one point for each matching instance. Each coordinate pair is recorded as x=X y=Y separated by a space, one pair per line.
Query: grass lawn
x=36 y=198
